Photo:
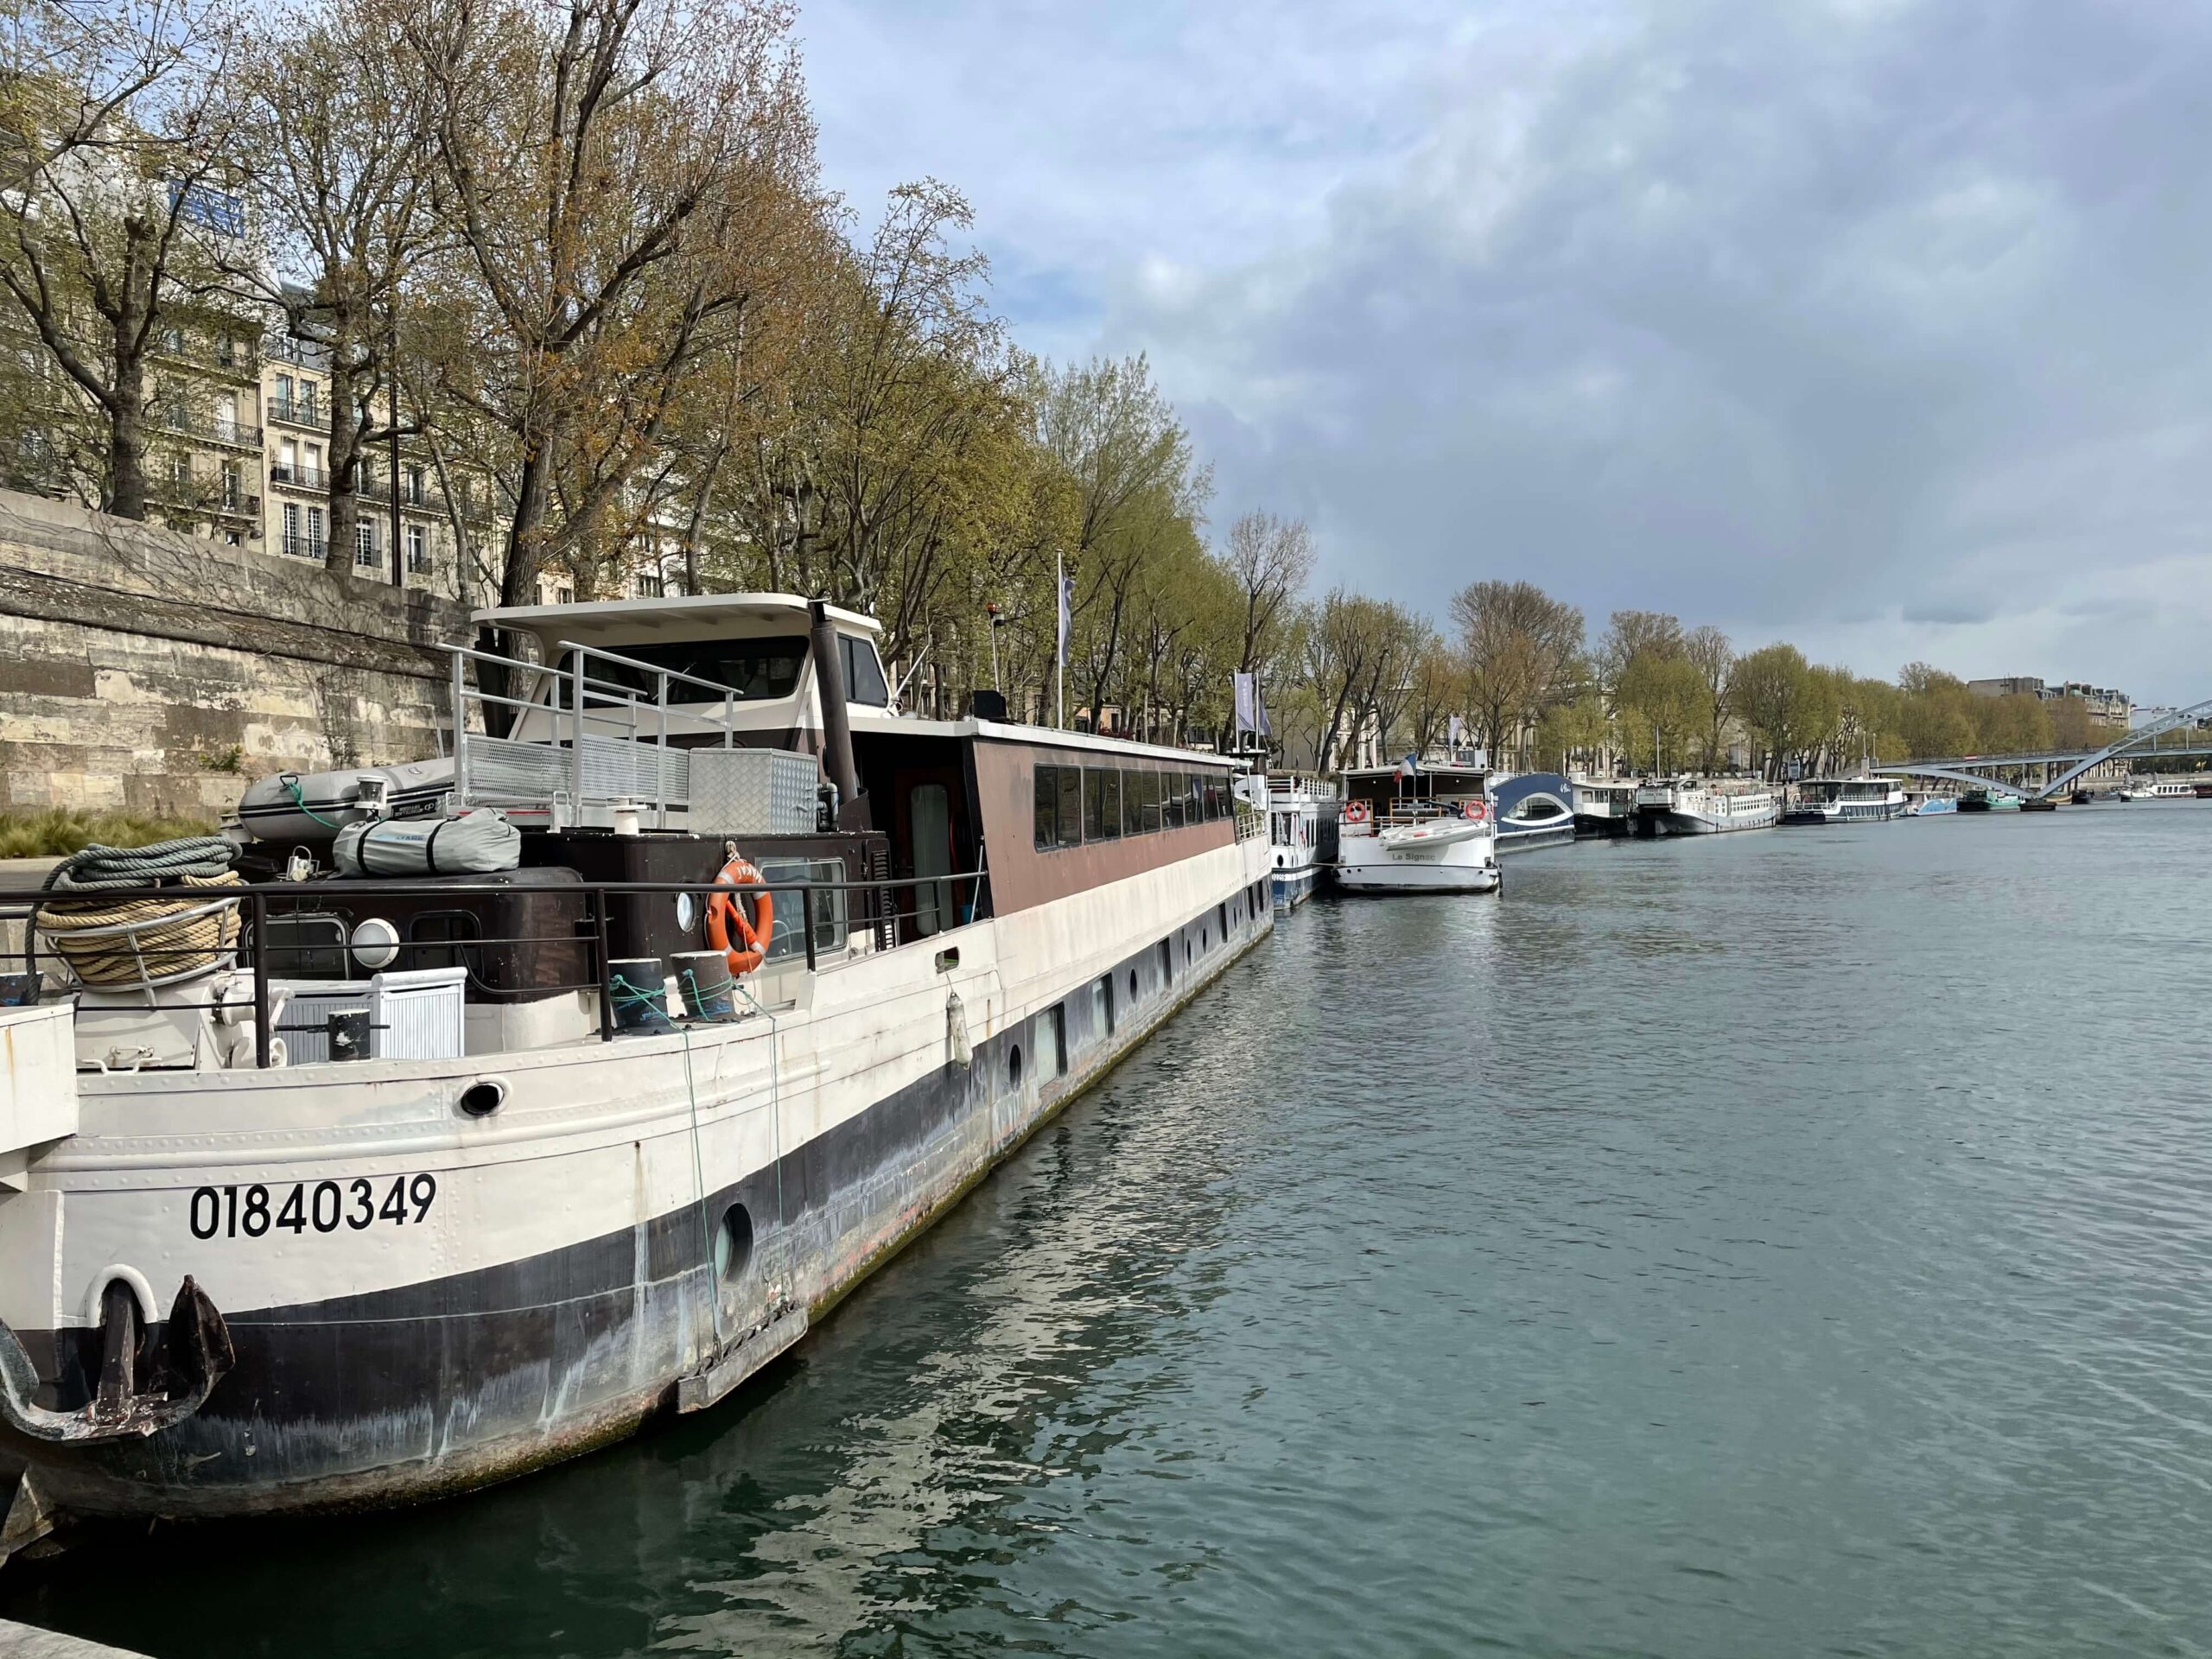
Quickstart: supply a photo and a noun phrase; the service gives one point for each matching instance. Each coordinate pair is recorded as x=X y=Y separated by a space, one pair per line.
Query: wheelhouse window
x=757 y=669
x=864 y=681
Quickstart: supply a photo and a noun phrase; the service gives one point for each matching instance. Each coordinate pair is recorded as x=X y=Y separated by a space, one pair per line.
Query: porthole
x=734 y=1243
x=483 y=1097
x=687 y=912
x=1013 y=1066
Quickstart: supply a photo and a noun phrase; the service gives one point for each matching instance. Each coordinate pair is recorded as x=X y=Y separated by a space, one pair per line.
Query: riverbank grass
x=60 y=831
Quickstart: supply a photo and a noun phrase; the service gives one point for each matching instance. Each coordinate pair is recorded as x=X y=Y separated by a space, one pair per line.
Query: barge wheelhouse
x=404 y=1184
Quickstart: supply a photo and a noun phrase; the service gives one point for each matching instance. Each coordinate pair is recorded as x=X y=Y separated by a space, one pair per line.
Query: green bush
x=62 y=829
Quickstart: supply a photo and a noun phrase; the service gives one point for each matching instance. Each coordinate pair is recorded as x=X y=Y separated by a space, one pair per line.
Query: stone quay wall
x=156 y=672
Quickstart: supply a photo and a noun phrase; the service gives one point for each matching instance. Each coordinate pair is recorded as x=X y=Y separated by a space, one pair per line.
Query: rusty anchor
x=194 y=1354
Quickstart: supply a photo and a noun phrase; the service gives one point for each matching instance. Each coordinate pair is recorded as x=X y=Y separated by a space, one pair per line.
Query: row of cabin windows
x=1079 y=803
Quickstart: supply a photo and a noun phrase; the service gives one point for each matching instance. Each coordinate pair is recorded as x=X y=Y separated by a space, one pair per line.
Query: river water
x=1786 y=1242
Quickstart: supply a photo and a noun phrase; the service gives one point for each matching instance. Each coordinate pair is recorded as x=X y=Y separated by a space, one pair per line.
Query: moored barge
x=392 y=1186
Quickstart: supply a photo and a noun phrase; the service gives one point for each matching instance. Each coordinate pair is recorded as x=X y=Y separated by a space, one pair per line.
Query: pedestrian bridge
x=1961 y=769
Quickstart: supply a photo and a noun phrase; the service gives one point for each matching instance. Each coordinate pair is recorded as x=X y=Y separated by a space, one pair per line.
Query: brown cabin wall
x=1022 y=877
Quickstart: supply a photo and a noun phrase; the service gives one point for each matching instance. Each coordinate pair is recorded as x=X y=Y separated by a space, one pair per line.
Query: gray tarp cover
x=475 y=843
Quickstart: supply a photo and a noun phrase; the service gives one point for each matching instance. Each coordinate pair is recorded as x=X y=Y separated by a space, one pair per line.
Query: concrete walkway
x=28 y=1642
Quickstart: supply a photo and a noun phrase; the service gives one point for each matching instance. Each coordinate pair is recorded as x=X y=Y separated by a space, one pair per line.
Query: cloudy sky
x=1883 y=325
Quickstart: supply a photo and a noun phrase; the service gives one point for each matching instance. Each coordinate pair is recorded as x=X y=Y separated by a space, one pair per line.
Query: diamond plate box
x=753 y=791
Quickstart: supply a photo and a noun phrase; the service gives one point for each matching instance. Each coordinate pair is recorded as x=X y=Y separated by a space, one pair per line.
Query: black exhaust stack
x=853 y=811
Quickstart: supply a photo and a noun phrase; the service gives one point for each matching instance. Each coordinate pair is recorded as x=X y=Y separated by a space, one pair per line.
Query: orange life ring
x=1357 y=812
x=1473 y=809
x=725 y=916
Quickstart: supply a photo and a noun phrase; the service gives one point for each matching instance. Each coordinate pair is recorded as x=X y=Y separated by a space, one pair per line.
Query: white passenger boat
x=1845 y=800
x=1429 y=830
x=566 y=1180
x=2165 y=788
x=1296 y=807
x=1694 y=806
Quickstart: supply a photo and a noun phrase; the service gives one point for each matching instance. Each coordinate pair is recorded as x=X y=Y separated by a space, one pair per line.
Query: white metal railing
x=609 y=743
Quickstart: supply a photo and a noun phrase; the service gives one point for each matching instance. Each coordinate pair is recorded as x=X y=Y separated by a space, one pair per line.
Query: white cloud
x=1883 y=326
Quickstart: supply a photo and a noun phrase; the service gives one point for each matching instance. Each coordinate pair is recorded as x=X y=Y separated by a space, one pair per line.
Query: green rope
x=291 y=782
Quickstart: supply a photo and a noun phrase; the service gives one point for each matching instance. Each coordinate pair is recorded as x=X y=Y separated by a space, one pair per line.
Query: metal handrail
x=257 y=901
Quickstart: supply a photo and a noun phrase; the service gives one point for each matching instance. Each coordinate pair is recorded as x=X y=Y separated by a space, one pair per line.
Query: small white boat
x=1430 y=829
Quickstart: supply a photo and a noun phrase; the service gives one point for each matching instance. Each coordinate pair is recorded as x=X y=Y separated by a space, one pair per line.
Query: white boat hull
x=423 y=1301
x=1371 y=863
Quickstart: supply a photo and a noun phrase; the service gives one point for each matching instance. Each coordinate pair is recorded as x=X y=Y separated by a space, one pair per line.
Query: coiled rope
x=109 y=942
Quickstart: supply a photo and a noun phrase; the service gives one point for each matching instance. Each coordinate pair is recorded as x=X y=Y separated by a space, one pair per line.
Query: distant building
x=2106 y=706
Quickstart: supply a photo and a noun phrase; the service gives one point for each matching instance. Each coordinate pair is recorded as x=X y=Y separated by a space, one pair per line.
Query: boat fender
x=725 y=917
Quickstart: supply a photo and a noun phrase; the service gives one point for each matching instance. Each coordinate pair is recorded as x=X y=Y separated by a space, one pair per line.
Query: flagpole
x=1060 y=599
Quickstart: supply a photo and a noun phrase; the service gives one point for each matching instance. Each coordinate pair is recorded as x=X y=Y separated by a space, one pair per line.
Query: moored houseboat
x=1694 y=806
x=1604 y=806
x=1297 y=808
x=389 y=1187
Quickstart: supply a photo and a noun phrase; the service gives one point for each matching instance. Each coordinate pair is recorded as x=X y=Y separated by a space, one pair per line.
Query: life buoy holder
x=1475 y=811
x=725 y=917
x=1358 y=812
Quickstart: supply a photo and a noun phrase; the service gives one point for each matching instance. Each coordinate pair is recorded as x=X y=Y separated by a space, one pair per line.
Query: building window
x=418 y=549
x=417 y=492
x=292 y=529
x=364 y=544
x=317 y=541
x=648 y=585
x=233 y=486
x=564 y=595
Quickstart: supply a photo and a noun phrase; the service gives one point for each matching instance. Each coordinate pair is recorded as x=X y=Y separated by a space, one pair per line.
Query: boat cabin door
x=929 y=830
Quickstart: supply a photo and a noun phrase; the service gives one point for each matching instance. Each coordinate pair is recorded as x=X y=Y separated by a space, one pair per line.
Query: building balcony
x=230 y=435
x=212 y=500
x=235 y=360
x=291 y=475
x=291 y=411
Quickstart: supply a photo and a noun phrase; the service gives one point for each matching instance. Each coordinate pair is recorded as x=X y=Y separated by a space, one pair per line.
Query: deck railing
x=605 y=742
x=867 y=914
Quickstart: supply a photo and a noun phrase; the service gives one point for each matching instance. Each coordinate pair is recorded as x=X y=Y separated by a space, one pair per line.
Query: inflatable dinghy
x=316 y=806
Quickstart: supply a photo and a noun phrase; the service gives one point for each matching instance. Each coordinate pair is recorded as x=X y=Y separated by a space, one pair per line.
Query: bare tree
x=114 y=194
x=1708 y=651
x=1522 y=649
x=1272 y=559
x=337 y=127
x=603 y=170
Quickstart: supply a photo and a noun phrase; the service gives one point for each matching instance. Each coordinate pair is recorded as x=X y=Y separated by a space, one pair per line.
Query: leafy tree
x=1522 y=650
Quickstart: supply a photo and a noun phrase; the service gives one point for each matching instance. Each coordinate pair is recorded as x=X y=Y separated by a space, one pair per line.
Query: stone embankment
x=159 y=673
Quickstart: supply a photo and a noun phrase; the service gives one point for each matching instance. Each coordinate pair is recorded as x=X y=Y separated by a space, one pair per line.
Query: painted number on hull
x=323 y=1206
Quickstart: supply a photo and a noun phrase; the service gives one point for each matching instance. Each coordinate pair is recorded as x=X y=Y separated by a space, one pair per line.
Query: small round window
x=687 y=912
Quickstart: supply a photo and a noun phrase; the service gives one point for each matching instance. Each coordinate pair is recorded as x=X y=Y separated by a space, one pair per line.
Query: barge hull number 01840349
x=236 y=1284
